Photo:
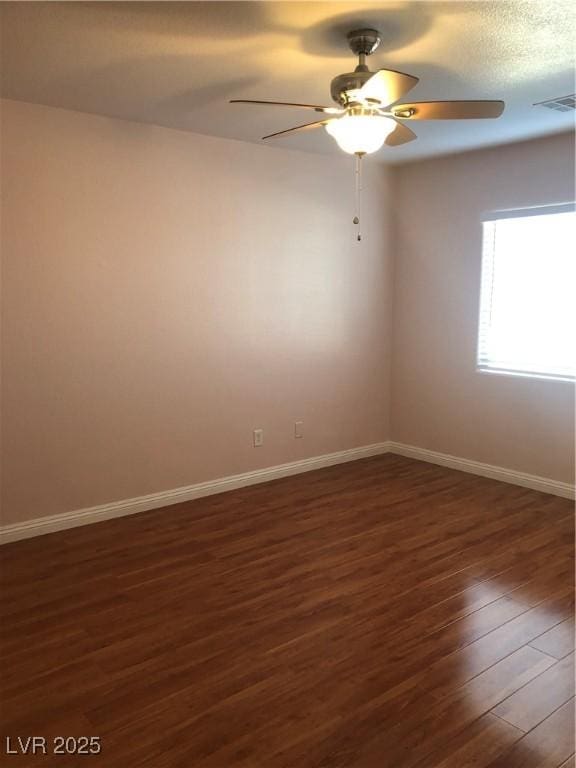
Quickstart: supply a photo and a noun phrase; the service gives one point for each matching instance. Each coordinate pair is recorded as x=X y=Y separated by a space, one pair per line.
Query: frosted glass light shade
x=360 y=133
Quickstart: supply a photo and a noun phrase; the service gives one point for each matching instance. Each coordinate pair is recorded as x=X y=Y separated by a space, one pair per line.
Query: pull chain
x=357 y=191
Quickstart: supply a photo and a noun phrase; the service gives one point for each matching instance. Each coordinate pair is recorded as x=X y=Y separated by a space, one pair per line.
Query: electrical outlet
x=258 y=435
x=298 y=429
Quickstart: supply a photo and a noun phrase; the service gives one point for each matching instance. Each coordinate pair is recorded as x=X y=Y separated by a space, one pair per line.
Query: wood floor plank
x=360 y=616
x=533 y=703
x=487 y=689
x=439 y=723
x=549 y=745
x=477 y=745
x=455 y=662
x=545 y=582
x=557 y=641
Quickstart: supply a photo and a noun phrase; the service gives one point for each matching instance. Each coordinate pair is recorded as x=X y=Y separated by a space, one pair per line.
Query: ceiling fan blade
x=400 y=135
x=385 y=87
x=448 y=110
x=316 y=107
x=305 y=127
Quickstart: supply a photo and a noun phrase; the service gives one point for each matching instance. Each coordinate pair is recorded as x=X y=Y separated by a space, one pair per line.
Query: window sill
x=525 y=375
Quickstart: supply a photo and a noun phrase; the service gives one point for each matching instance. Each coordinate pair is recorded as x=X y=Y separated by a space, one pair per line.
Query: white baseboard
x=534 y=482
x=17 y=531
x=30 y=528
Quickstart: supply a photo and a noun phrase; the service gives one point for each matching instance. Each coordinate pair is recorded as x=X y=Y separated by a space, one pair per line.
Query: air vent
x=561 y=104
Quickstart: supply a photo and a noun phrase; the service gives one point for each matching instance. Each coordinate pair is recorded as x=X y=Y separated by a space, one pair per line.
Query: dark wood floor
x=380 y=614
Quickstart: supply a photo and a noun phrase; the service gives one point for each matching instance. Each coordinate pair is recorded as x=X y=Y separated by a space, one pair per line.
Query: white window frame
x=486 y=284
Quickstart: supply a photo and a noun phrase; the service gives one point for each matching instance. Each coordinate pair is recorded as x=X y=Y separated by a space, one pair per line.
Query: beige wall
x=439 y=401
x=164 y=294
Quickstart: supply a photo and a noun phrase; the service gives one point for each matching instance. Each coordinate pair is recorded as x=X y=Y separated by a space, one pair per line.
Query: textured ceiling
x=177 y=64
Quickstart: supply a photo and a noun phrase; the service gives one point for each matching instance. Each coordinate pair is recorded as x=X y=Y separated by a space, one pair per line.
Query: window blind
x=527 y=320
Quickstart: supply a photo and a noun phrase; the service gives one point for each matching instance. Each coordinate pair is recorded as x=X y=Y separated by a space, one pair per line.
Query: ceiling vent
x=561 y=104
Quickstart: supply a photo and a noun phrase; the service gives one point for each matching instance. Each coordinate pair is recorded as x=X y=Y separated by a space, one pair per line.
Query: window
x=528 y=293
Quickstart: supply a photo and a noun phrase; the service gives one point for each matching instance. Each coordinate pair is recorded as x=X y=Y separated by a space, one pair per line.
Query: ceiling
x=177 y=64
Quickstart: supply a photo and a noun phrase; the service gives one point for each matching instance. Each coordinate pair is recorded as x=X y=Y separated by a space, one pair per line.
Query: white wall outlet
x=298 y=429
x=258 y=436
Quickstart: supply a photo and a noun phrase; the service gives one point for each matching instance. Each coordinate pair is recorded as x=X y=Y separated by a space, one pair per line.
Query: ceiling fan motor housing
x=362 y=42
x=349 y=81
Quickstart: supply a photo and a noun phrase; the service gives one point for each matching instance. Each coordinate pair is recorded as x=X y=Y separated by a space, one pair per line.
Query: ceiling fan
x=368 y=113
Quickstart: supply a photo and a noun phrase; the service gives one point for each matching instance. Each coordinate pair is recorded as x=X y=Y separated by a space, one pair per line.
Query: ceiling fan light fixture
x=360 y=134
